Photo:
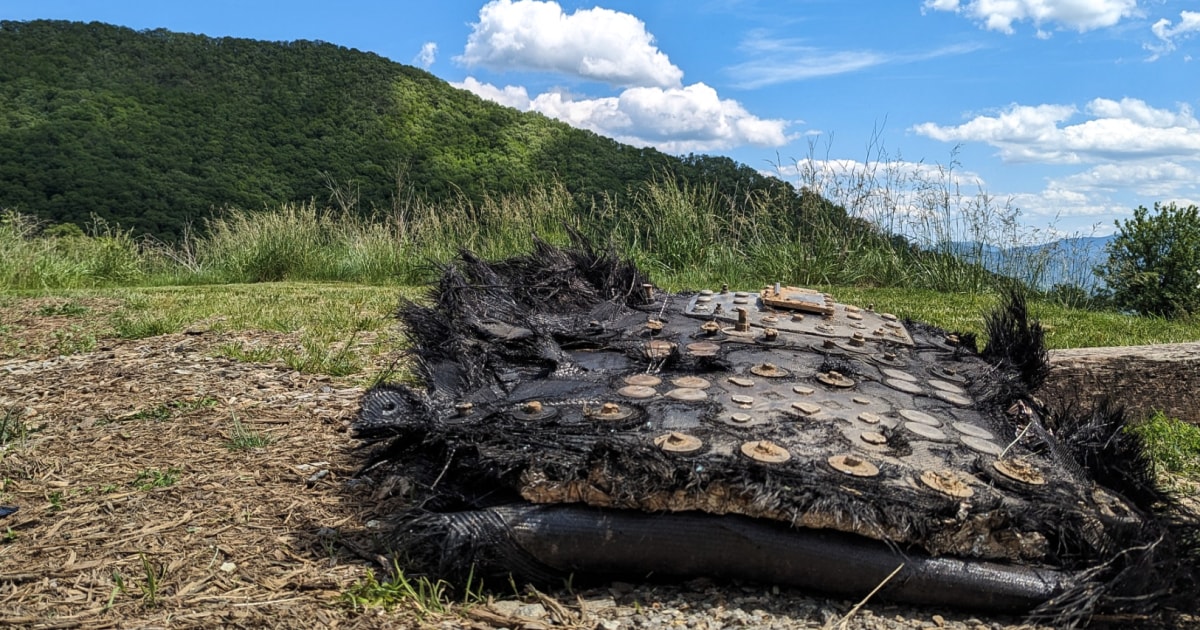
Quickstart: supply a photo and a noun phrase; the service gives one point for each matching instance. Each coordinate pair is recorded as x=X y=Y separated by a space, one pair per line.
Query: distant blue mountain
x=1065 y=261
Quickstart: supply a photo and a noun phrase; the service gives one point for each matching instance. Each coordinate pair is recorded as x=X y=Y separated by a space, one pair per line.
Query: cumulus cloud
x=596 y=44
x=1153 y=179
x=427 y=56
x=1169 y=34
x=1079 y=15
x=676 y=120
x=1124 y=129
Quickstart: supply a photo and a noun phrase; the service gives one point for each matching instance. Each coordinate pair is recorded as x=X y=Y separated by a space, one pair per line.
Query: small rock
x=228 y=567
x=939 y=620
x=608 y=624
x=531 y=611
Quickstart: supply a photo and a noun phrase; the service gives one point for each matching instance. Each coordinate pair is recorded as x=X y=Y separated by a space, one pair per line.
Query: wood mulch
x=134 y=510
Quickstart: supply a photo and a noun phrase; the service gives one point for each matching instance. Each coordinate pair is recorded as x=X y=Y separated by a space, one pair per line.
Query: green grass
x=421 y=594
x=13 y=428
x=1174 y=445
x=242 y=438
x=152 y=478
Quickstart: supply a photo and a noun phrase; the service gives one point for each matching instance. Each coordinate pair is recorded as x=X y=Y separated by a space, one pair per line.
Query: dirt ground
x=142 y=502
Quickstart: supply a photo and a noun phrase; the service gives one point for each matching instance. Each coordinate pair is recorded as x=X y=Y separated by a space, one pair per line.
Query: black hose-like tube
x=590 y=541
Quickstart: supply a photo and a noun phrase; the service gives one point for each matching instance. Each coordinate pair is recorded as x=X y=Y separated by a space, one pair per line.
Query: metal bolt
x=464 y=408
x=532 y=407
x=654 y=326
x=770 y=334
x=743 y=322
x=857 y=339
x=798 y=317
x=724 y=288
x=648 y=291
x=764 y=451
x=610 y=409
x=710 y=328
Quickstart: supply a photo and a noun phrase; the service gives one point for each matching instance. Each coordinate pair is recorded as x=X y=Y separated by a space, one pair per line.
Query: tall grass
x=856 y=227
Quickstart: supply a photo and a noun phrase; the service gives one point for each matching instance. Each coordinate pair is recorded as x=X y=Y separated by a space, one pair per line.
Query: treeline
x=155 y=130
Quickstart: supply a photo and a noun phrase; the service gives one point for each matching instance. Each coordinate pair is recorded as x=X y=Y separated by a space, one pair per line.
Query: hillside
x=153 y=129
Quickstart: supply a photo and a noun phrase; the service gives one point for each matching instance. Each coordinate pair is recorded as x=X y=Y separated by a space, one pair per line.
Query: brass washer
x=644 y=380
x=637 y=391
x=948 y=482
x=853 y=465
x=691 y=382
x=766 y=452
x=687 y=394
x=675 y=442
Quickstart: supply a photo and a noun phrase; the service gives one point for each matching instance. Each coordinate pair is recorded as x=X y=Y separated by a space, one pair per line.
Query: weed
x=242 y=438
x=10 y=535
x=165 y=411
x=142 y=326
x=65 y=309
x=108 y=488
x=74 y=340
x=12 y=426
x=118 y=587
x=153 y=478
x=423 y=594
x=154 y=576
x=55 y=498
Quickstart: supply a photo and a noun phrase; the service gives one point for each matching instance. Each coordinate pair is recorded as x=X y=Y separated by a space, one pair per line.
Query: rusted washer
x=532 y=411
x=888 y=316
x=946 y=386
x=803 y=390
x=1020 y=470
x=952 y=398
x=920 y=417
x=741 y=418
x=741 y=381
x=835 y=379
x=926 y=431
x=703 y=349
x=873 y=437
x=687 y=394
x=890 y=358
x=967 y=428
x=769 y=370
x=691 y=382
x=907 y=387
x=899 y=375
x=657 y=349
x=741 y=399
x=675 y=442
x=981 y=445
x=948 y=482
x=853 y=465
x=862 y=400
x=610 y=412
x=805 y=408
x=637 y=391
x=645 y=380
x=948 y=374
x=766 y=452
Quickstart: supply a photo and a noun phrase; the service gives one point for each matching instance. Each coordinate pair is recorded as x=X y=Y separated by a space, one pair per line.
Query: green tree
x=1153 y=261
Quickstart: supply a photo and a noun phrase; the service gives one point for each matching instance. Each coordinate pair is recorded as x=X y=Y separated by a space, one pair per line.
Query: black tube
x=591 y=541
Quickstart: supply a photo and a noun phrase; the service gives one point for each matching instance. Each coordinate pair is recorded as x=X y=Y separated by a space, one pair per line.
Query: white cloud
x=1152 y=179
x=1079 y=15
x=509 y=95
x=774 y=60
x=1123 y=129
x=676 y=120
x=596 y=44
x=427 y=56
x=1168 y=34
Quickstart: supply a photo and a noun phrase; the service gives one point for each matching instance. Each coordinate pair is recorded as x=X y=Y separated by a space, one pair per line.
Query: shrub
x=1153 y=259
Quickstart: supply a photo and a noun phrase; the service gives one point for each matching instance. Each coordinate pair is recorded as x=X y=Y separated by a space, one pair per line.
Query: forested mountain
x=152 y=129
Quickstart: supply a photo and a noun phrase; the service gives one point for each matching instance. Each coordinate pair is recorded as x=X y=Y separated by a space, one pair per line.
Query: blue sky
x=1072 y=111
